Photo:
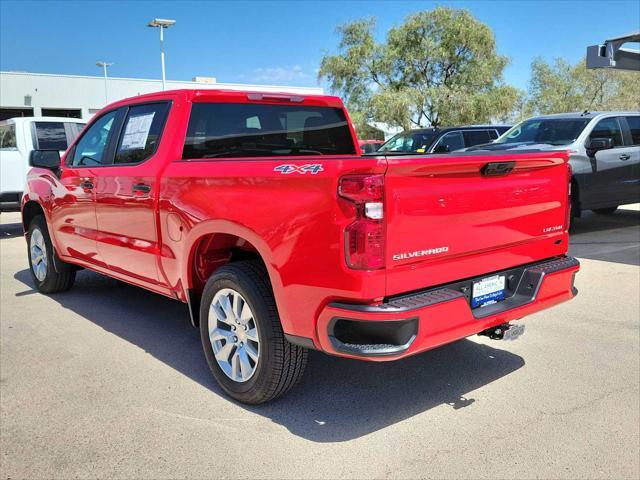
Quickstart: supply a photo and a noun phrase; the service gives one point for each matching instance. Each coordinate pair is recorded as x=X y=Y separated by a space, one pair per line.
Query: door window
x=608 y=128
x=141 y=133
x=91 y=148
x=476 y=137
x=634 y=126
x=450 y=142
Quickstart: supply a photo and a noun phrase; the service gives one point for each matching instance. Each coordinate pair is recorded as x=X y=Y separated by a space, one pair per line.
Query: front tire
x=242 y=336
x=49 y=273
x=605 y=211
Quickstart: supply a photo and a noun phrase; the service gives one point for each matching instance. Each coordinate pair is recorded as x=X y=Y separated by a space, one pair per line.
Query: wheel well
x=30 y=210
x=213 y=251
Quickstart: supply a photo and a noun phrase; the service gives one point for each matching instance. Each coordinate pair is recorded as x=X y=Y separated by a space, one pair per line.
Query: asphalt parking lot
x=108 y=381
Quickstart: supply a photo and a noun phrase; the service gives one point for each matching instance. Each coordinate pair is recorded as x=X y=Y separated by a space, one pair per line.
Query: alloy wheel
x=38 y=252
x=233 y=333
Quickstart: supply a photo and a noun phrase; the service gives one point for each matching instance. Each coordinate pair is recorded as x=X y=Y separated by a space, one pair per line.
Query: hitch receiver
x=505 y=331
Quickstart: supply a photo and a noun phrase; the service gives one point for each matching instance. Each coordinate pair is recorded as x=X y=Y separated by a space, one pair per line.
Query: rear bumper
x=412 y=323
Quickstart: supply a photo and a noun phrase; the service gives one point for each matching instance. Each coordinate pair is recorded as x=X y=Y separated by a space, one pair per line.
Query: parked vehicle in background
x=256 y=210
x=604 y=152
x=442 y=140
x=18 y=137
x=370 y=146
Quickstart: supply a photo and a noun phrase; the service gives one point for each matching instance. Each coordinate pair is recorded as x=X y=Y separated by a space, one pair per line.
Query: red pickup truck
x=259 y=211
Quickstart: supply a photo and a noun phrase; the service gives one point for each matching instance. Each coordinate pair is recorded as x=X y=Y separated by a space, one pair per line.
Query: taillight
x=364 y=238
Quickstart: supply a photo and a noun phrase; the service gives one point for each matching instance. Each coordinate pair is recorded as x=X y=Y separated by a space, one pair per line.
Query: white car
x=18 y=137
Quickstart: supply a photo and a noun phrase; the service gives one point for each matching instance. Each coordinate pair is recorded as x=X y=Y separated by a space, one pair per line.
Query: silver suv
x=604 y=148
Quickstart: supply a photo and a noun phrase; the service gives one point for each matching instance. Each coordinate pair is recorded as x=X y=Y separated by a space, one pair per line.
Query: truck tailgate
x=457 y=216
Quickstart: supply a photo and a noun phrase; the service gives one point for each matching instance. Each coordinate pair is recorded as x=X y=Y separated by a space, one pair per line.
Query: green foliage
x=438 y=68
x=562 y=87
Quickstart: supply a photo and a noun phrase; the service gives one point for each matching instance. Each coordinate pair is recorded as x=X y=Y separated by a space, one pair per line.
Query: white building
x=43 y=94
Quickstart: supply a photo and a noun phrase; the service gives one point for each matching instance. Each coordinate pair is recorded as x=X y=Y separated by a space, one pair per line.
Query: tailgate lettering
x=419 y=253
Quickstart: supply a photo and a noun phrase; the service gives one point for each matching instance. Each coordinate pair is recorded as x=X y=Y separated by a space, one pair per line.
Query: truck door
x=74 y=218
x=126 y=193
x=608 y=185
x=13 y=166
x=632 y=141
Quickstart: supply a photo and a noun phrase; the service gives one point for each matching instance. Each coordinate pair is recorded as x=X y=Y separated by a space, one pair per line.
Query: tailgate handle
x=493 y=169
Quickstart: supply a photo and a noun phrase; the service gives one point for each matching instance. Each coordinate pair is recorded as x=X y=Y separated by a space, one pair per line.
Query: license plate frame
x=487 y=291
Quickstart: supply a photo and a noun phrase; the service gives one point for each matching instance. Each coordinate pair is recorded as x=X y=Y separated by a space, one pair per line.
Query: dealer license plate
x=487 y=291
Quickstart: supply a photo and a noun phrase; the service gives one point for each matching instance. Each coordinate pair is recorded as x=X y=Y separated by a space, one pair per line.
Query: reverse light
x=374 y=210
x=364 y=238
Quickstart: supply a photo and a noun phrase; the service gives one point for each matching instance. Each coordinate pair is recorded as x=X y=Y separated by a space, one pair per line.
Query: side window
x=493 y=134
x=8 y=136
x=450 y=142
x=634 y=126
x=608 y=128
x=141 y=133
x=476 y=137
x=49 y=136
x=90 y=150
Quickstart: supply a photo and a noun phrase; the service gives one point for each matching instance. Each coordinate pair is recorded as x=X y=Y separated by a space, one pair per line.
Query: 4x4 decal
x=312 y=168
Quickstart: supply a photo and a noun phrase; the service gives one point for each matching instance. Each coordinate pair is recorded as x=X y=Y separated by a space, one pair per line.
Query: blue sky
x=273 y=42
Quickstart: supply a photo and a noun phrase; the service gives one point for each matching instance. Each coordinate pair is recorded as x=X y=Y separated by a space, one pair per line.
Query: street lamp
x=104 y=66
x=161 y=23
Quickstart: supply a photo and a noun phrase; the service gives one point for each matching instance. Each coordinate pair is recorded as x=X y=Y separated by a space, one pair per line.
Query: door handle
x=141 y=188
x=624 y=156
x=86 y=185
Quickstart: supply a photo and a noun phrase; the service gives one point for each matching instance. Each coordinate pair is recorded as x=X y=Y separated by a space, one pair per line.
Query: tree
x=438 y=68
x=562 y=87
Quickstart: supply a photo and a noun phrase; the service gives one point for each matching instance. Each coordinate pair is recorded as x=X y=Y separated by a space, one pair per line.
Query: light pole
x=104 y=66
x=161 y=23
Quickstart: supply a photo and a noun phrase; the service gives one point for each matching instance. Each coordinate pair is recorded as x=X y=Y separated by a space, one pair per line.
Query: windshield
x=409 y=142
x=556 y=131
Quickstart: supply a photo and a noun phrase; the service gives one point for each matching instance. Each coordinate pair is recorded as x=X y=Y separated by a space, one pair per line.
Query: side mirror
x=49 y=159
x=596 y=144
x=442 y=148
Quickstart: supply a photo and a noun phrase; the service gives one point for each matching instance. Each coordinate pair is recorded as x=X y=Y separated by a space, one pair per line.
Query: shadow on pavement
x=611 y=238
x=337 y=400
x=10 y=230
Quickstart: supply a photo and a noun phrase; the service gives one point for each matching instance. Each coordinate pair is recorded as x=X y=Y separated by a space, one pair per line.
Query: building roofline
x=127 y=79
x=42 y=119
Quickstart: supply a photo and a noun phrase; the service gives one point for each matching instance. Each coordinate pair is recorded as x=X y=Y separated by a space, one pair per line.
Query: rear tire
x=605 y=211
x=252 y=361
x=49 y=273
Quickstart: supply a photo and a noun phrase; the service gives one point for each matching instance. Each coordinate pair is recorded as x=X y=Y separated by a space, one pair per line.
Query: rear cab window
x=54 y=135
x=8 y=137
x=226 y=130
x=49 y=136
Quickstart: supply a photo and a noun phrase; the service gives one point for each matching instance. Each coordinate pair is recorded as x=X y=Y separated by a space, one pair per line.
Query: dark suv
x=442 y=140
